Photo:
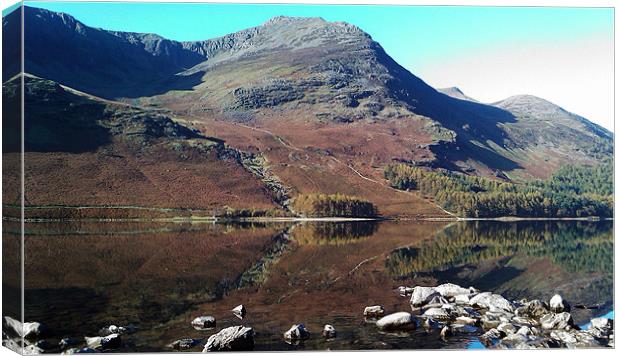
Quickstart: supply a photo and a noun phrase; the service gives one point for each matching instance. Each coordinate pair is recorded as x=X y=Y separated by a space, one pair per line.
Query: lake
x=82 y=276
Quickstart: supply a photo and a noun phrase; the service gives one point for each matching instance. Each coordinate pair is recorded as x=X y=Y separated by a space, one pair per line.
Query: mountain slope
x=104 y=155
x=321 y=103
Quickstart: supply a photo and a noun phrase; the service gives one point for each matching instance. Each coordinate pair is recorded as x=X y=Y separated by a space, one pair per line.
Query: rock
x=507 y=328
x=110 y=342
x=32 y=350
x=423 y=295
x=374 y=311
x=465 y=320
x=184 y=344
x=452 y=290
x=26 y=330
x=557 y=321
x=430 y=324
x=462 y=299
x=563 y=336
x=329 y=332
x=397 y=321
x=558 y=305
x=601 y=327
x=203 y=322
x=445 y=332
x=525 y=321
x=533 y=309
x=492 y=302
x=490 y=321
x=491 y=337
x=234 y=338
x=404 y=291
x=437 y=302
x=84 y=350
x=239 y=311
x=524 y=330
x=68 y=342
x=113 y=329
x=297 y=332
x=442 y=314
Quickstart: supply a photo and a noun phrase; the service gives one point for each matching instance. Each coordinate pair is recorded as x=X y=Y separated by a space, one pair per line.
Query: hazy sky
x=564 y=55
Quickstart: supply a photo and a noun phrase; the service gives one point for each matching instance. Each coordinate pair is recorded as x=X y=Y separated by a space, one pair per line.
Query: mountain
x=455 y=93
x=320 y=104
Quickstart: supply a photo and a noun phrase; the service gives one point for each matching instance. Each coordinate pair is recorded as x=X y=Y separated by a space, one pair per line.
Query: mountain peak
x=277 y=20
x=455 y=92
x=527 y=101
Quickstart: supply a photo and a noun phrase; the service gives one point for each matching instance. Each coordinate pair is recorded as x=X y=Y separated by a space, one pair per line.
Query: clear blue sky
x=411 y=34
x=418 y=37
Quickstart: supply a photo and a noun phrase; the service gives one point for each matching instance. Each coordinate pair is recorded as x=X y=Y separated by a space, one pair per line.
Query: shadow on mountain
x=104 y=63
x=469 y=120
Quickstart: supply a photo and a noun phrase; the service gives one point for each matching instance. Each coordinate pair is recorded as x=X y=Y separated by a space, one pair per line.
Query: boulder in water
x=234 y=338
x=397 y=321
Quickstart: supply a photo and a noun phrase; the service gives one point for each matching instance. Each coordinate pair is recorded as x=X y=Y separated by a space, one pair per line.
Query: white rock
x=25 y=330
x=492 y=302
x=557 y=321
x=297 y=332
x=234 y=338
x=452 y=290
x=558 y=305
x=395 y=321
x=239 y=311
x=374 y=311
x=329 y=332
x=423 y=295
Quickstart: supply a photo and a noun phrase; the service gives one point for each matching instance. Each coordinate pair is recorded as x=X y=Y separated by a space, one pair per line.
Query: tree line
x=333 y=205
x=573 y=191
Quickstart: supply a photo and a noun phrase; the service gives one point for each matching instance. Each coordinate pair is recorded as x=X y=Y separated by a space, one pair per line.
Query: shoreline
x=215 y=220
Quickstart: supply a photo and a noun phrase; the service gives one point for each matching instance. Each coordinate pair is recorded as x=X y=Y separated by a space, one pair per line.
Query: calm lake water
x=84 y=276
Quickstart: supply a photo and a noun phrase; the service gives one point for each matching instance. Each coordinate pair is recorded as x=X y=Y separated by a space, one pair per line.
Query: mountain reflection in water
x=83 y=276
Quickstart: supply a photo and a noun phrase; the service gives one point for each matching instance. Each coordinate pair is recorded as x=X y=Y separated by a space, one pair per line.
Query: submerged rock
x=234 y=338
x=397 y=321
x=491 y=337
x=297 y=332
x=68 y=342
x=329 y=332
x=83 y=350
x=204 y=322
x=446 y=331
x=374 y=311
x=184 y=344
x=110 y=342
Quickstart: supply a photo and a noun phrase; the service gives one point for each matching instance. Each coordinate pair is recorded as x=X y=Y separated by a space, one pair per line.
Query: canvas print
x=207 y=177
